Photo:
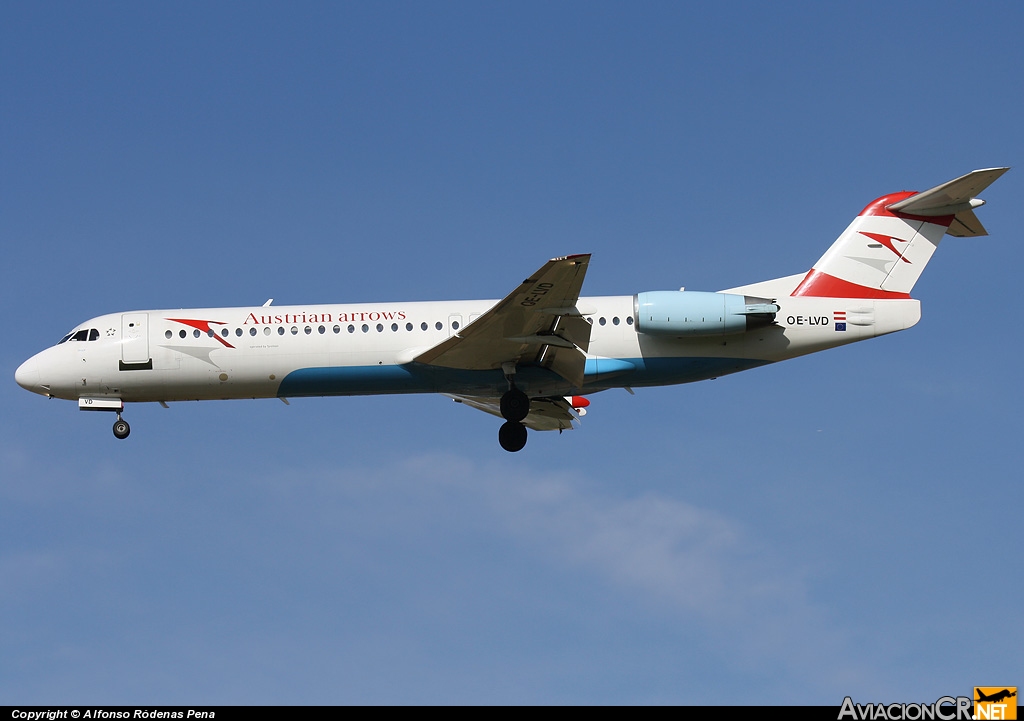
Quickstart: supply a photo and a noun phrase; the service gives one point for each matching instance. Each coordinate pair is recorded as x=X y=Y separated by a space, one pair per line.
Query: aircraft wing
x=546 y=414
x=537 y=323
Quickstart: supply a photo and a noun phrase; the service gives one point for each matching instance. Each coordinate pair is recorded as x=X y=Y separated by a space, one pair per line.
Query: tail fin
x=882 y=253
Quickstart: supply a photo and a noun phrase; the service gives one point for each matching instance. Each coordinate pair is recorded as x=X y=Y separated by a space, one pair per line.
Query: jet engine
x=692 y=314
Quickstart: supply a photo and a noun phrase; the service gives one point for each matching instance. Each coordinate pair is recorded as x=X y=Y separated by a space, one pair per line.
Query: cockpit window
x=85 y=334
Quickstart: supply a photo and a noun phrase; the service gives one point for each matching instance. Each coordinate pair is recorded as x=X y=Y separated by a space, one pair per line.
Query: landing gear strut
x=121 y=428
x=108 y=404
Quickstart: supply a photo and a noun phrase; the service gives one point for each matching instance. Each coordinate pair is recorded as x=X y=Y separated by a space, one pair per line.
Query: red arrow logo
x=887 y=241
x=203 y=325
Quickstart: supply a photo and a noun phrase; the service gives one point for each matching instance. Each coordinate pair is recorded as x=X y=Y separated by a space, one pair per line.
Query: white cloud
x=694 y=559
x=663 y=556
x=408 y=531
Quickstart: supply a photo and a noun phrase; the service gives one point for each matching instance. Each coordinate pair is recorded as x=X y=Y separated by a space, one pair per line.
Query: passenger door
x=135 y=338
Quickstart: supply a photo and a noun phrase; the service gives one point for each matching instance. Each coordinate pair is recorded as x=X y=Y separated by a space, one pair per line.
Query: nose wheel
x=121 y=428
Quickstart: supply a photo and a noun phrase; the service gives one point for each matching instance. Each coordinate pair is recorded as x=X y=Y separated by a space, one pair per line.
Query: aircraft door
x=135 y=338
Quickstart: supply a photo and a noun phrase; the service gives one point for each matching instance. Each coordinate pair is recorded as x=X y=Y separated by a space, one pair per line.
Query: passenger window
x=321 y=330
x=408 y=326
x=295 y=330
x=224 y=332
x=394 y=327
x=423 y=326
x=210 y=333
x=266 y=330
x=252 y=331
x=280 y=330
x=455 y=325
x=167 y=334
x=629 y=320
x=439 y=325
x=351 y=329
x=181 y=333
x=380 y=327
x=602 y=321
x=195 y=333
x=337 y=329
x=308 y=330
x=615 y=320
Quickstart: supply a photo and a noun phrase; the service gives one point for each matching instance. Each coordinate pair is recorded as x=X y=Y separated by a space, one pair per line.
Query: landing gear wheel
x=515 y=406
x=121 y=429
x=512 y=436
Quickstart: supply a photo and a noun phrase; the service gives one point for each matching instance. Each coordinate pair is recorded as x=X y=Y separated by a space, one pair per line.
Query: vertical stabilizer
x=884 y=250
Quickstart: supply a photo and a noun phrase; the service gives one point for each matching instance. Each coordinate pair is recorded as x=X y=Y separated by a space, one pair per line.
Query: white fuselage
x=358 y=349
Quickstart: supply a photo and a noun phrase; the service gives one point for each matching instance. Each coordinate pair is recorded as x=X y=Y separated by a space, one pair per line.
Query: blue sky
x=841 y=524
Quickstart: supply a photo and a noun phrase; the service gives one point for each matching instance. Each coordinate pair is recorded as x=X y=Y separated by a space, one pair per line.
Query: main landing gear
x=512 y=436
x=515 y=406
x=121 y=428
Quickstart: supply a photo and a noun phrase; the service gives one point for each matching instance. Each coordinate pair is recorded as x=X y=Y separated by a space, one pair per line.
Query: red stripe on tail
x=822 y=285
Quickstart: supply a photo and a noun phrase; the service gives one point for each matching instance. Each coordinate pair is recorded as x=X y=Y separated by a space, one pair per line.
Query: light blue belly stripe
x=600 y=374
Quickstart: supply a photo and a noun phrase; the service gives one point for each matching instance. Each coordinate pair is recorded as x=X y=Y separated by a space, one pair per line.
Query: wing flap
x=546 y=414
x=570 y=364
x=575 y=329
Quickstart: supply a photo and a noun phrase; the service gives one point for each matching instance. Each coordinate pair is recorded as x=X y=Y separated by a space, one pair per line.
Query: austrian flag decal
x=840 y=318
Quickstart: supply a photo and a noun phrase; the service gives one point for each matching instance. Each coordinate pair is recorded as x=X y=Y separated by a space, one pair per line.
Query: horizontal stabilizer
x=957 y=198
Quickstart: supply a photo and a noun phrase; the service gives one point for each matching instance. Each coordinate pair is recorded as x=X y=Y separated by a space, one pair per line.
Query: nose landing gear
x=103 y=403
x=121 y=428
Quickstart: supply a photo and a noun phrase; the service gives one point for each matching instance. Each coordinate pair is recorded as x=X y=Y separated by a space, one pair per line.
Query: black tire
x=121 y=429
x=515 y=405
x=512 y=436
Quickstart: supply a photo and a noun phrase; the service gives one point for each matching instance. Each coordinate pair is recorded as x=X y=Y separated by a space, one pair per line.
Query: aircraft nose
x=27 y=376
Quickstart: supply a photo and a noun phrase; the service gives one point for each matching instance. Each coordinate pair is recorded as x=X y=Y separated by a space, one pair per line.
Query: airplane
x=530 y=358
x=996 y=697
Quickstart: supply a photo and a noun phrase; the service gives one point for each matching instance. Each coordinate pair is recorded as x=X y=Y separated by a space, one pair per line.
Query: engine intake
x=692 y=314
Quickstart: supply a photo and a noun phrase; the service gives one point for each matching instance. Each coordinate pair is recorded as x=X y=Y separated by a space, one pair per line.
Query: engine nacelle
x=690 y=314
